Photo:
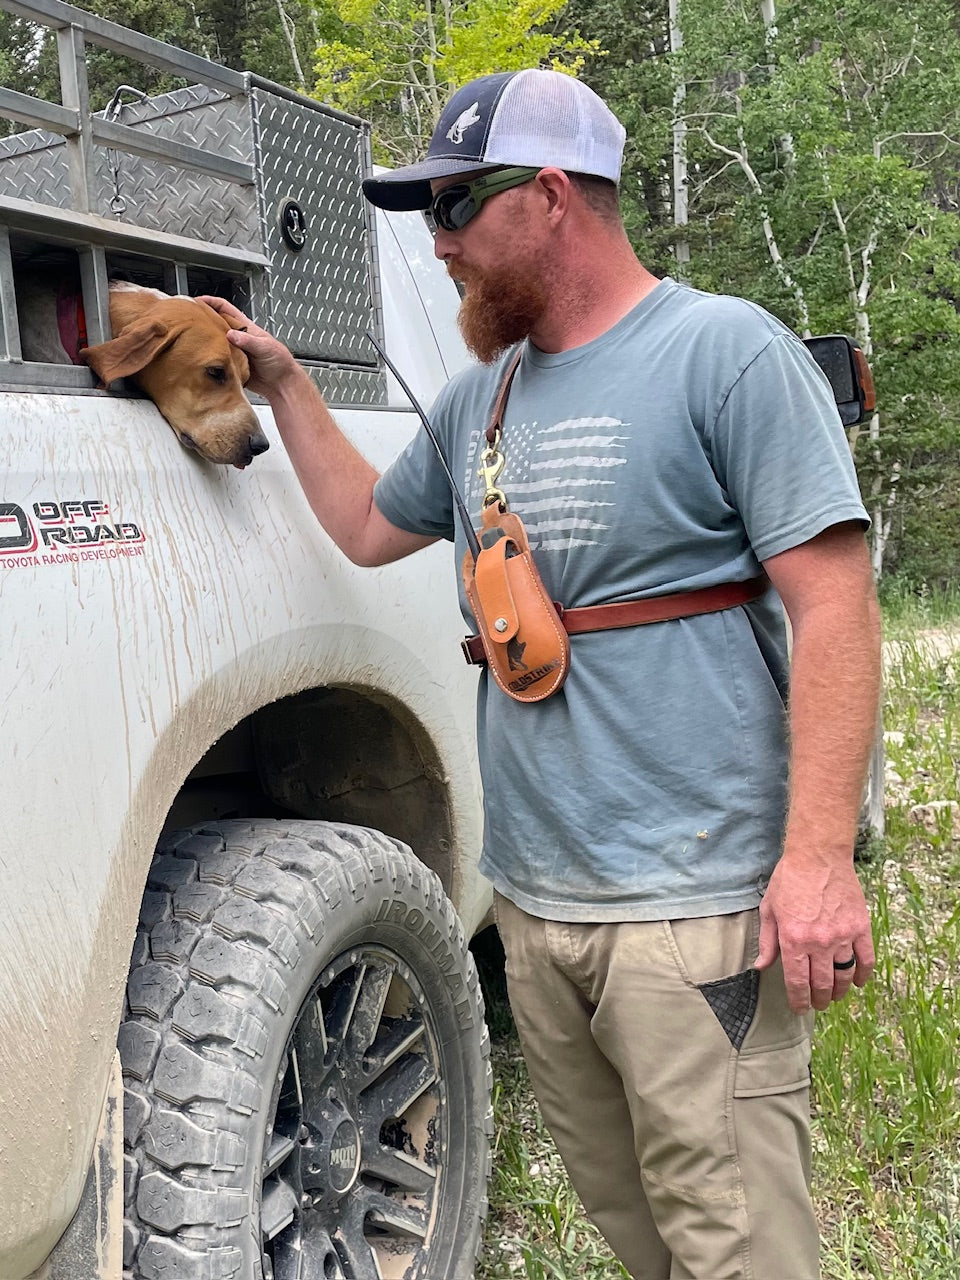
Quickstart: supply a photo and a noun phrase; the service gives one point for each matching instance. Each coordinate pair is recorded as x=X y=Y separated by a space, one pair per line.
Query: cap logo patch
x=463 y=122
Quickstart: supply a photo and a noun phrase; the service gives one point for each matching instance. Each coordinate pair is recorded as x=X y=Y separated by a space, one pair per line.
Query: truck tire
x=305 y=1060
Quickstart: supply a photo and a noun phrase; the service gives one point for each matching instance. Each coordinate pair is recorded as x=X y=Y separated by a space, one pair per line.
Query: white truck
x=240 y=1030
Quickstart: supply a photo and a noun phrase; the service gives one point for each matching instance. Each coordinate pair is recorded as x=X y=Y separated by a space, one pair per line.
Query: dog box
x=256 y=193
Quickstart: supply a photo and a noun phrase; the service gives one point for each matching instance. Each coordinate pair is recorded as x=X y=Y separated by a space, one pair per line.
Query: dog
x=175 y=349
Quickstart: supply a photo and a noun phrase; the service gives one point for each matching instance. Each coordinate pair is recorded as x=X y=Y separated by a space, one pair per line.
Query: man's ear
x=556 y=188
x=132 y=351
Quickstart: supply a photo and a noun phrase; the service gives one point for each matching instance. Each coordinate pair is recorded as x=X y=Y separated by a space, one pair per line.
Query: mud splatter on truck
x=239 y=792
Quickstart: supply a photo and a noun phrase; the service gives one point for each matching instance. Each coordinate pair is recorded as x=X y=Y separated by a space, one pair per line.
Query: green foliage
x=397 y=61
x=244 y=34
x=887 y=1063
x=910 y=604
x=841 y=128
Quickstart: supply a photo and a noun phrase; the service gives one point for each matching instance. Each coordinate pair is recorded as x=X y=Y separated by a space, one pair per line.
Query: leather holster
x=527 y=648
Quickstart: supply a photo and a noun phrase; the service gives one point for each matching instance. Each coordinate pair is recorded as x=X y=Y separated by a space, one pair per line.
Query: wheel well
x=338 y=754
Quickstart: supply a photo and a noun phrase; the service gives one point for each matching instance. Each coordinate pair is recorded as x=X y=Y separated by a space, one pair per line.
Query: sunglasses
x=453 y=208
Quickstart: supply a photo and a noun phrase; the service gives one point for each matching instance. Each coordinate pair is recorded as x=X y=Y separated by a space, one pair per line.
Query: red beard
x=501 y=307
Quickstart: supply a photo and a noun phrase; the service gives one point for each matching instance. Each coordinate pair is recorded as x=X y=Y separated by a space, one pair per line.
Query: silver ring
x=845 y=964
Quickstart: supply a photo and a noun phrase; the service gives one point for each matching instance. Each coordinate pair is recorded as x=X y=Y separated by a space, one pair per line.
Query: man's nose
x=443 y=244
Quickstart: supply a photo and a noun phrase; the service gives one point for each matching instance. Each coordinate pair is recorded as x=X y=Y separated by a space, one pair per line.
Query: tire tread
x=229 y=912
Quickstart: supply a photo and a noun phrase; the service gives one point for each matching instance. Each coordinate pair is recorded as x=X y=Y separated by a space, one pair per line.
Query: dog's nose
x=258 y=444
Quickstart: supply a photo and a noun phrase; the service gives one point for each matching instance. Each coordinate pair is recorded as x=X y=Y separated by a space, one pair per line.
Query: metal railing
x=73 y=120
x=80 y=226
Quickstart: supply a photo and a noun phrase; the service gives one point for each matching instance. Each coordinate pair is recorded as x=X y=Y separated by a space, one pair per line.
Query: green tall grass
x=886 y=1067
x=909 y=607
x=887 y=1062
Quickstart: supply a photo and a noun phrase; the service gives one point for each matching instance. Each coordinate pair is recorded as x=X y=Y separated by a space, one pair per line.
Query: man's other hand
x=814 y=916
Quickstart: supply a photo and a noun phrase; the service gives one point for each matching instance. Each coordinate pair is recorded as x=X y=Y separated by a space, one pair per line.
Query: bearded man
x=670 y=836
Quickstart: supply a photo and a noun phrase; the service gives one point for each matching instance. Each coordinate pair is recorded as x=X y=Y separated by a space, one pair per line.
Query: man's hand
x=337 y=480
x=271 y=364
x=814 y=915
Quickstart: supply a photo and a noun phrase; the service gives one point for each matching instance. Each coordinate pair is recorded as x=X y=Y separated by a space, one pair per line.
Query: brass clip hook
x=492 y=463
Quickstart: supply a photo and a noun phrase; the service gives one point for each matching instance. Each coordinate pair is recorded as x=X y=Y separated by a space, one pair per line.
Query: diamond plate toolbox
x=145 y=193
x=320 y=297
x=319 y=294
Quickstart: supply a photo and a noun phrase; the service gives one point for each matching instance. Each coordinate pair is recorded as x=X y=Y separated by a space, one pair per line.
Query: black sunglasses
x=453 y=207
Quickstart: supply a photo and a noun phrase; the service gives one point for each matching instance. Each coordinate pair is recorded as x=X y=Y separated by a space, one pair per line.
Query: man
x=672 y=907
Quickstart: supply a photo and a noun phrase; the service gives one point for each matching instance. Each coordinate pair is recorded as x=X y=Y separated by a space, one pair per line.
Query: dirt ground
x=939 y=642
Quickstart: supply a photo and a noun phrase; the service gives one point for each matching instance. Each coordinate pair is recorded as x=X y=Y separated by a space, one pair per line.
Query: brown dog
x=174 y=348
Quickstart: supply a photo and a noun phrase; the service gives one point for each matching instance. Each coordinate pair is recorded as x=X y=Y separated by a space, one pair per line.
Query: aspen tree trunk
x=768 y=12
x=290 y=34
x=680 y=204
x=872 y=815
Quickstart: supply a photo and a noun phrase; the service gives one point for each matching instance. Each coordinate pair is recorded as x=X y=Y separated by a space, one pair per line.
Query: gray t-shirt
x=686 y=444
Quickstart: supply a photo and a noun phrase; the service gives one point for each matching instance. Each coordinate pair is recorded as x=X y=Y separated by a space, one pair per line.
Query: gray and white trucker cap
x=532 y=118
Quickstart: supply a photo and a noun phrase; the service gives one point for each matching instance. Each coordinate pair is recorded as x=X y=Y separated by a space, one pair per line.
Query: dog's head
x=176 y=350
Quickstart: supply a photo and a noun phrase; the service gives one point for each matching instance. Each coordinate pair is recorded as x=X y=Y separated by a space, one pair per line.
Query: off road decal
x=55 y=532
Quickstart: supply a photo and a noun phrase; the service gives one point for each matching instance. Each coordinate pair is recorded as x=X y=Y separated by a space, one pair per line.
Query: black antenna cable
x=472 y=541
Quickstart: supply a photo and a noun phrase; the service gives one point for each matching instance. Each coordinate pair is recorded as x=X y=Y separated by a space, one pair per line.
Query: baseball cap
x=531 y=118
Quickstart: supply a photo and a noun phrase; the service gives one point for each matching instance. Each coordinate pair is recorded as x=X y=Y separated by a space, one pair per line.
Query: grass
x=886 y=1068
x=908 y=608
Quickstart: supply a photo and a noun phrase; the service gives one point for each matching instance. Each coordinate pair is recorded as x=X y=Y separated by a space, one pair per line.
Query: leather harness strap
x=496 y=418
x=640 y=613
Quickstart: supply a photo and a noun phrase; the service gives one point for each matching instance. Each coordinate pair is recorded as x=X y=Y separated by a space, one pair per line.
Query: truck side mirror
x=848 y=373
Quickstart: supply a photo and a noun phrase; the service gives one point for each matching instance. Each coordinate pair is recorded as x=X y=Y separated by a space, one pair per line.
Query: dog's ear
x=132 y=351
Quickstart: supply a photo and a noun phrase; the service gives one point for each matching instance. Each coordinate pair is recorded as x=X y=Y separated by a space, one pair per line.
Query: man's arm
x=337 y=480
x=814 y=912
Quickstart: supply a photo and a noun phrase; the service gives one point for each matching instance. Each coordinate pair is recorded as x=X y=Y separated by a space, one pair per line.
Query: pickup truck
x=240 y=1027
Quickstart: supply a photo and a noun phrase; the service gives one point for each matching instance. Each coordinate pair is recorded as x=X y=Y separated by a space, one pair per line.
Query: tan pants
x=675 y=1082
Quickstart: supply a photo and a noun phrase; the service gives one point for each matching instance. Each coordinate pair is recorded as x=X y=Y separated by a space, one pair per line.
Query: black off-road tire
x=306 y=1064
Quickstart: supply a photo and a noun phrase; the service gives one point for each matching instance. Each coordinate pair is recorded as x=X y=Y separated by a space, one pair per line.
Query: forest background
x=804 y=155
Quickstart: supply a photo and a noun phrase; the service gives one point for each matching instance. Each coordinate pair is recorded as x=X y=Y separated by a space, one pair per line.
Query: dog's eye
x=216 y=372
